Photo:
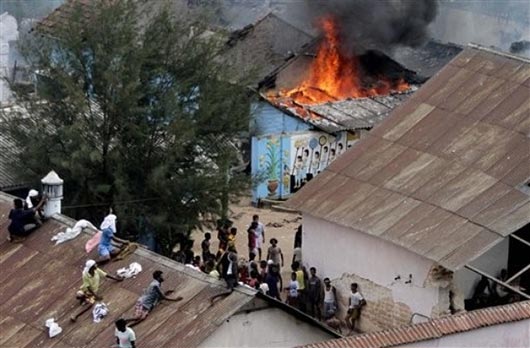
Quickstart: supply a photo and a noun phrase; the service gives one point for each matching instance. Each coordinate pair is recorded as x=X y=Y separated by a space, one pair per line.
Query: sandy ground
x=279 y=225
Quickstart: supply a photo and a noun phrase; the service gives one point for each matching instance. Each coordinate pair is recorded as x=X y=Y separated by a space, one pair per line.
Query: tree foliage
x=132 y=105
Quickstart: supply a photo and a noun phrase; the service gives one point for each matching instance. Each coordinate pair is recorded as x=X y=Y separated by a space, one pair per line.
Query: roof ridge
x=440 y=327
x=498 y=52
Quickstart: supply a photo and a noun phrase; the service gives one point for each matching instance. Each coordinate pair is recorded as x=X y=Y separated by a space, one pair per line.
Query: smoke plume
x=377 y=24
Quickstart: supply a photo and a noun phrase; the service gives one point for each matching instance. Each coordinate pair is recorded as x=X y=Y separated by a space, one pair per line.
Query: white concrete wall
x=269 y=327
x=336 y=250
x=513 y=335
x=491 y=262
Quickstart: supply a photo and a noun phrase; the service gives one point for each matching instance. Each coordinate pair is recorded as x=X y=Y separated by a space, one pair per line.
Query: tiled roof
x=258 y=49
x=446 y=174
x=433 y=329
x=10 y=177
x=61 y=14
x=38 y=280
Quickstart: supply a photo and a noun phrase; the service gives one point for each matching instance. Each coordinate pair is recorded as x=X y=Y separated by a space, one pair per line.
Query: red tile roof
x=38 y=280
x=445 y=175
x=434 y=328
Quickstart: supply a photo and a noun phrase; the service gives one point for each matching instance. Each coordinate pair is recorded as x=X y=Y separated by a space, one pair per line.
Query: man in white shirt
x=356 y=302
x=125 y=336
x=260 y=234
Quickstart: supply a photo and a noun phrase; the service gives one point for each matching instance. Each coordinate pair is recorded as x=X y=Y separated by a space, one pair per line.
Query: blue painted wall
x=270 y=167
x=267 y=120
x=285 y=152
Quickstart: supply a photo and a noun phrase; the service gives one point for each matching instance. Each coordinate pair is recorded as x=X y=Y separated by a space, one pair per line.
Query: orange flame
x=334 y=75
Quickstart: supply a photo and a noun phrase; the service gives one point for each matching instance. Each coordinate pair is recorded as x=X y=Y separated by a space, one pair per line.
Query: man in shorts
x=356 y=302
x=151 y=297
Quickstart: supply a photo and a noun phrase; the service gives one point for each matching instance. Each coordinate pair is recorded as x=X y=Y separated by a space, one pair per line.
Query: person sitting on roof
x=22 y=221
x=88 y=293
x=106 y=250
x=150 y=298
x=32 y=200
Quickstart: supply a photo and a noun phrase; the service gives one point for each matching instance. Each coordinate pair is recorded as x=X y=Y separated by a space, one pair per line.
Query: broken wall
x=395 y=282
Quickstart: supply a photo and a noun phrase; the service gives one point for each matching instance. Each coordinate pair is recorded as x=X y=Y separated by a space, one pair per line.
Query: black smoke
x=376 y=24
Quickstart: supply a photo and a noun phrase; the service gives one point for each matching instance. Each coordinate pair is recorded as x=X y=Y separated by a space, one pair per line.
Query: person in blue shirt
x=106 y=250
x=22 y=220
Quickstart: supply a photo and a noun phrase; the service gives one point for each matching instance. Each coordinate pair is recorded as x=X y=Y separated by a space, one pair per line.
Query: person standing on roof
x=88 y=293
x=22 y=221
x=125 y=336
x=356 y=302
x=259 y=231
x=106 y=250
x=150 y=298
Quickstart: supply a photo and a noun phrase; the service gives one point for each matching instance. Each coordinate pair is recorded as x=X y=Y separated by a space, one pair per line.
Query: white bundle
x=99 y=312
x=130 y=271
x=71 y=233
x=53 y=328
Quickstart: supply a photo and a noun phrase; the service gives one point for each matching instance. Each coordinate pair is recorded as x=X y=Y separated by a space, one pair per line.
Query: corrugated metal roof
x=433 y=329
x=39 y=280
x=444 y=175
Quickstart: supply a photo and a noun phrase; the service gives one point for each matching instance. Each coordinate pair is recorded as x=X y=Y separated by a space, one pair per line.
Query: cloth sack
x=53 y=328
x=99 y=312
x=130 y=271
x=71 y=233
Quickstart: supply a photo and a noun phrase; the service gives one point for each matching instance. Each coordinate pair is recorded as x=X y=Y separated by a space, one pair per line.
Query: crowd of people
x=262 y=270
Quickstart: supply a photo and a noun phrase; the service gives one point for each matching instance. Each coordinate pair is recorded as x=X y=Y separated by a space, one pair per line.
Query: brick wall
x=381 y=311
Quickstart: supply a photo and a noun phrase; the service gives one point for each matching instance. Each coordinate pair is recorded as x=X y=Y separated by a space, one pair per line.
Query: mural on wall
x=312 y=152
x=287 y=163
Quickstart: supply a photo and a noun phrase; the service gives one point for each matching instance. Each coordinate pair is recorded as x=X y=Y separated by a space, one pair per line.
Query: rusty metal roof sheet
x=433 y=329
x=39 y=280
x=446 y=175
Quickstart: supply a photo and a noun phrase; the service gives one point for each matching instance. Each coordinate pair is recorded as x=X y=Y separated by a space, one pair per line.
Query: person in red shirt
x=252 y=240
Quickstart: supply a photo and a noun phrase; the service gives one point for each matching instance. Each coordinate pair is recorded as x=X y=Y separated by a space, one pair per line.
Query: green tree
x=132 y=105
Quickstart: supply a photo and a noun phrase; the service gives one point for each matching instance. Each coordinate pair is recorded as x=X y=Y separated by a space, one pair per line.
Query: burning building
x=317 y=104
